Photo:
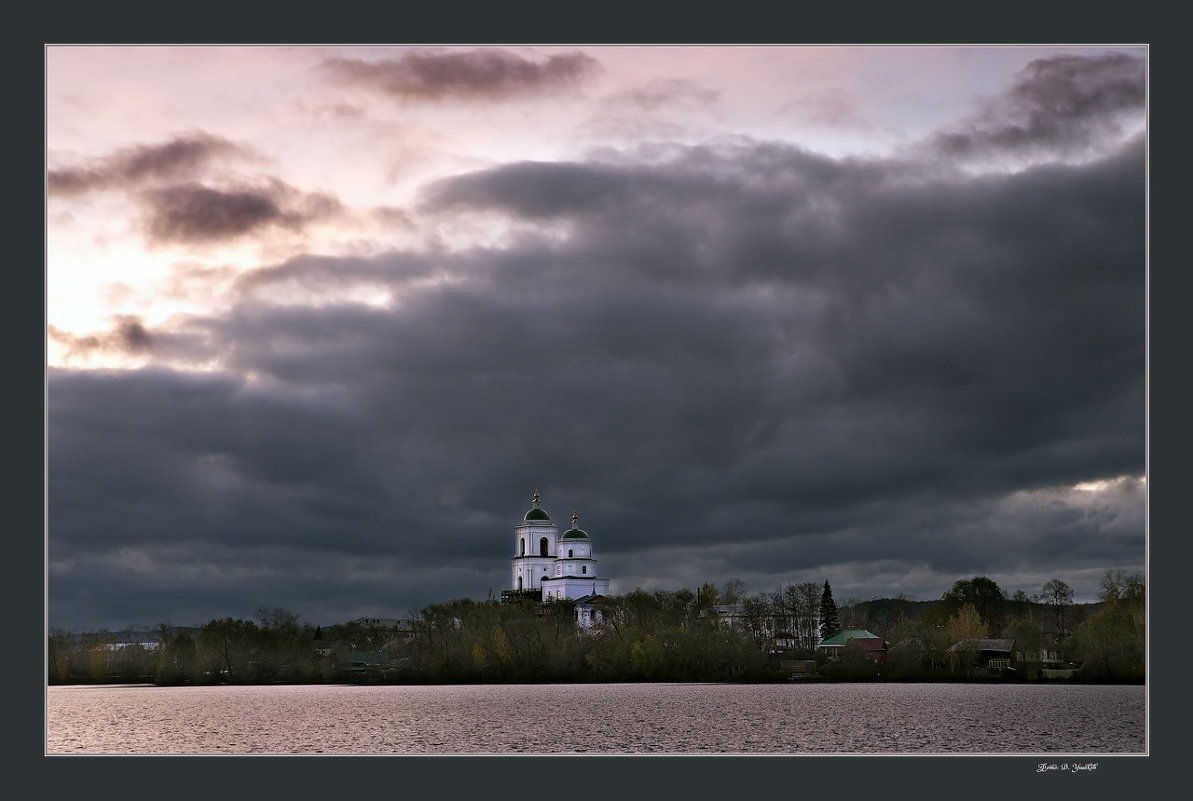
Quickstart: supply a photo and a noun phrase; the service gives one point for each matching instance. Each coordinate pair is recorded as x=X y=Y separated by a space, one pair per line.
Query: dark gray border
x=600 y=777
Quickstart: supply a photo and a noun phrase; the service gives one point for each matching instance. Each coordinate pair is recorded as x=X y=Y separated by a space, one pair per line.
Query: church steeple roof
x=575 y=532
x=535 y=512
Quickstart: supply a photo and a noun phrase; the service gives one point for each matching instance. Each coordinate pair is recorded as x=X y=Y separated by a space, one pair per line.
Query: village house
x=988 y=654
x=854 y=641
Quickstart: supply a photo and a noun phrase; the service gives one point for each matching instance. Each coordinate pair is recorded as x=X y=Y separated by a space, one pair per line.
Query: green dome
x=536 y=514
x=575 y=534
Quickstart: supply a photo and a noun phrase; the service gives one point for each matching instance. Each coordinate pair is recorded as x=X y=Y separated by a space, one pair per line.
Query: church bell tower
x=535 y=543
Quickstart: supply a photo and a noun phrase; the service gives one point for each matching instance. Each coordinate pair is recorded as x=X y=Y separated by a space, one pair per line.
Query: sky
x=320 y=320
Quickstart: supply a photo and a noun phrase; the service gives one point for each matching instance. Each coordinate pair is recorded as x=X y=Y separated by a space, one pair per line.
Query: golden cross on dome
x=575 y=517
x=536 y=496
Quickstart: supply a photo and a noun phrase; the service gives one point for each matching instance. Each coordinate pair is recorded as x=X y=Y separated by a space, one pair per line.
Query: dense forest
x=711 y=634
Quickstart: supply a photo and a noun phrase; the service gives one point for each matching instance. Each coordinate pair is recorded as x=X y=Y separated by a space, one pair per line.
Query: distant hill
x=884 y=609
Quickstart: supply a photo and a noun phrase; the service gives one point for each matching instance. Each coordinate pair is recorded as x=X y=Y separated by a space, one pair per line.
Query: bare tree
x=803 y=603
x=1058 y=598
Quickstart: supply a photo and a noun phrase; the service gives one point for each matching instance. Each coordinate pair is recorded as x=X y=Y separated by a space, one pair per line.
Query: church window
x=543 y=547
x=519 y=583
x=584 y=569
x=522 y=548
x=569 y=553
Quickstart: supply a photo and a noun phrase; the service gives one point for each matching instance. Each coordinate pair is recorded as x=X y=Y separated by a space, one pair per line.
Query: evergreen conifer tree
x=829 y=625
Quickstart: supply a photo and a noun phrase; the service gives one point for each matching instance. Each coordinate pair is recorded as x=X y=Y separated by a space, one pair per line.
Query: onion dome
x=536 y=513
x=575 y=532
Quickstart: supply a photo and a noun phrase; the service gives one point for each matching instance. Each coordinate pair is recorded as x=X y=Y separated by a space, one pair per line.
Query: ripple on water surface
x=598 y=719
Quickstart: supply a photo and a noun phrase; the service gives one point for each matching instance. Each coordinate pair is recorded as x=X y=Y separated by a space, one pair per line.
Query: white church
x=551 y=566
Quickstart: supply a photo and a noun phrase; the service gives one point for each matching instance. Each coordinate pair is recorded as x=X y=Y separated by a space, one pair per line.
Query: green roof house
x=867 y=641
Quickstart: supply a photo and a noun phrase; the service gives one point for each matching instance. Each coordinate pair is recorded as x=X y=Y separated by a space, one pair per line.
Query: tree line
x=1105 y=640
x=715 y=633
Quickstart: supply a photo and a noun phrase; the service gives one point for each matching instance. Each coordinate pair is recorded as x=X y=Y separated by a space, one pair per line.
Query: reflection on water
x=599 y=719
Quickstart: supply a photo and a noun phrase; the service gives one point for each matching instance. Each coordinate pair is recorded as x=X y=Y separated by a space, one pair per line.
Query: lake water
x=792 y=718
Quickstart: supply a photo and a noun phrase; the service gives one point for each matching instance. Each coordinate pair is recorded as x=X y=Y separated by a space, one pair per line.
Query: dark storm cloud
x=532 y=189
x=742 y=360
x=197 y=213
x=321 y=275
x=184 y=155
x=827 y=334
x=129 y=336
x=175 y=437
x=180 y=209
x=472 y=75
x=1063 y=104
